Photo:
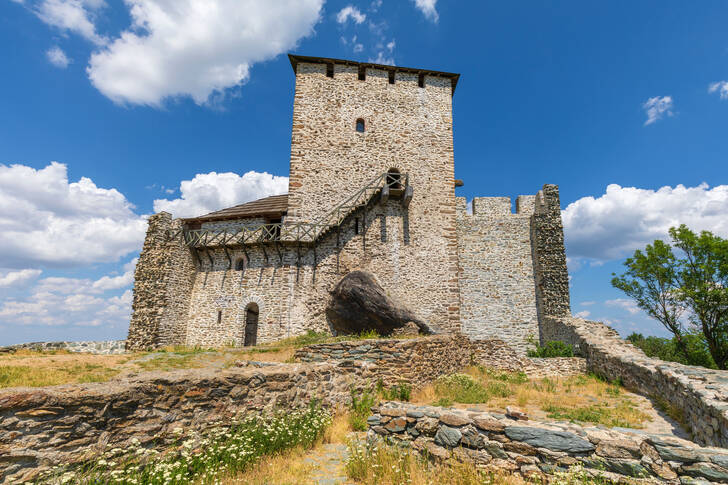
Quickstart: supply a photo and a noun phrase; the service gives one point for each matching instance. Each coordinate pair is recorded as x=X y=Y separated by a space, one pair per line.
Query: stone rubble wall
x=104 y=347
x=701 y=394
x=163 y=281
x=497 y=354
x=552 y=276
x=42 y=427
x=537 y=449
x=416 y=361
x=401 y=359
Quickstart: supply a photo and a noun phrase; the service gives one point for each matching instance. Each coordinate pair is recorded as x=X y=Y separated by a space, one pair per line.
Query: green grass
x=222 y=452
x=620 y=415
x=554 y=348
x=460 y=388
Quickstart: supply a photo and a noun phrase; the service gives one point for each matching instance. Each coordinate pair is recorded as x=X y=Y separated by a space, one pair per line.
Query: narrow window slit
x=329 y=70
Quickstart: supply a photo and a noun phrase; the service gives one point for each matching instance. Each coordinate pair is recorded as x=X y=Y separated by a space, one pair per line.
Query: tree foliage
x=687 y=292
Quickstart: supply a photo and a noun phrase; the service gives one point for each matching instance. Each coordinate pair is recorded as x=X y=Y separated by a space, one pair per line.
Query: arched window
x=240 y=264
x=360 y=127
x=394 y=178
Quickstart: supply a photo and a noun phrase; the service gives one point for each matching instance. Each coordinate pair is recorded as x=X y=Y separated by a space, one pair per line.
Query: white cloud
x=625 y=304
x=656 y=108
x=57 y=57
x=70 y=302
x=627 y=218
x=45 y=220
x=177 y=48
x=213 y=191
x=583 y=314
x=18 y=277
x=382 y=58
x=75 y=16
x=720 y=87
x=587 y=303
x=427 y=7
x=358 y=47
x=350 y=12
x=391 y=45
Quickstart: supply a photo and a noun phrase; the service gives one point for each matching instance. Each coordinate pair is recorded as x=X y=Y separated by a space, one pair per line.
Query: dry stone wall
x=104 y=347
x=162 y=285
x=701 y=394
x=46 y=426
x=538 y=449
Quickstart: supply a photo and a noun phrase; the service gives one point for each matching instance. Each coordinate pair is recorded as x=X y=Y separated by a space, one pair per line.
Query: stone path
x=328 y=462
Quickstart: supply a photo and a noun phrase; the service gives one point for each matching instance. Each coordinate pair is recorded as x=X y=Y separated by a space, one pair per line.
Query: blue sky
x=109 y=113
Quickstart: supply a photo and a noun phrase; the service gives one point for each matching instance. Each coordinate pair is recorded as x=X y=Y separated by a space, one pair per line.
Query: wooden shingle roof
x=272 y=207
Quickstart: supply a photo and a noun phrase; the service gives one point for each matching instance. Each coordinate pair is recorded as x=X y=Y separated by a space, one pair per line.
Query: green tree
x=704 y=273
x=653 y=281
x=693 y=284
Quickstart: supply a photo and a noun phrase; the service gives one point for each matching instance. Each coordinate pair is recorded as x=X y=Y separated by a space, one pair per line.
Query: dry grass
x=579 y=398
x=35 y=369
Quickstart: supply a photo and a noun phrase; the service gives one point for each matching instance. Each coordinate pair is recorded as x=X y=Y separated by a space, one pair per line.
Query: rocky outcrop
x=359 y=304
x=104 y=347
x=537 y=449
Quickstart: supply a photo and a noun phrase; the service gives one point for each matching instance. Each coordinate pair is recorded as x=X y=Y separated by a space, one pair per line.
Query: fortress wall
x=408 y=128
x=497 y=282
x=552 y=276
x=162 y=286
x=293 y=301
x=700 y=393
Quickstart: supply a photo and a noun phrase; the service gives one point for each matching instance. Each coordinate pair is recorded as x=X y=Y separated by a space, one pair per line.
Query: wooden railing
x=302 y=232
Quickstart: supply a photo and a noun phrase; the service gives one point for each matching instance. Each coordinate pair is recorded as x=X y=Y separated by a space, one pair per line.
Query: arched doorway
x=251 y=324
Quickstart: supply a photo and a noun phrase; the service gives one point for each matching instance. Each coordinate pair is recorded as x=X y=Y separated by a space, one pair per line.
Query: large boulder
x=358 y=304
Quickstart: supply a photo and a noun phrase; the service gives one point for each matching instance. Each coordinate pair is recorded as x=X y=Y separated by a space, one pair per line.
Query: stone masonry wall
x=399 y=359
x=552 y=276
x=162 y=286
x=499 y=444
x=408 y=128
x=292 y=298
x=701 y=394
x=46 y=426
x=104 y=347
x=497 y=285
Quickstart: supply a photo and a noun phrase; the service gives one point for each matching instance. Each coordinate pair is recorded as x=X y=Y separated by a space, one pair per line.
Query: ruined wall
x=700 y=393
x=408 y=128
x=43 y=427
x=162 y=286
x=534 y=449
x=497 y=285
x=552 y=276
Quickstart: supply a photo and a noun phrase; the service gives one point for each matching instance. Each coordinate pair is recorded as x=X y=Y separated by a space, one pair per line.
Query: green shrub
x=553 y=348
x=399 y=392
x=360 y=408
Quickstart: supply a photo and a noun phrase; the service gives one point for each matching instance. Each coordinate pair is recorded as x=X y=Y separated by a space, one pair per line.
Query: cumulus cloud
x=583 y=314
x=350 y=12
x=625 y=304
x=720 y=87
x=47 y=220
x=382 y=58
x=213 y=191
x=427 y=7
x=177 y=48
x=57 y=57
x=18 y=277
x=75 y=16
x=623 y=219
x=657 y=108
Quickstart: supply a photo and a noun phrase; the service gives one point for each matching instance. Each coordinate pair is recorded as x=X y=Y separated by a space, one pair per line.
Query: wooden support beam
x=407 y=197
